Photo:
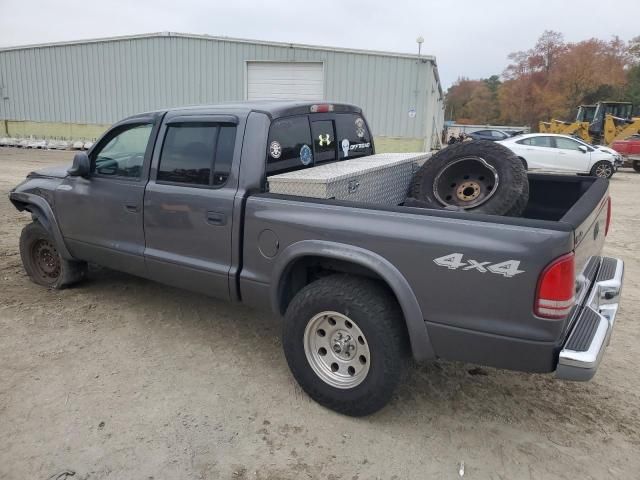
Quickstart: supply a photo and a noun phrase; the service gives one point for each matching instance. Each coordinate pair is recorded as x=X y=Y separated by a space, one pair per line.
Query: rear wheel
x=636 y=165
x=602 y=169
x=42 y=261
x=345 y=342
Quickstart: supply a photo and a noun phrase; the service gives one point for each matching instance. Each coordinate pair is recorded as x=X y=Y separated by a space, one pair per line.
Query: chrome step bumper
x=585 y=345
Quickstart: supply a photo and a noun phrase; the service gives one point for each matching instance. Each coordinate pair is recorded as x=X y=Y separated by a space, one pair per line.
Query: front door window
x=123 y=153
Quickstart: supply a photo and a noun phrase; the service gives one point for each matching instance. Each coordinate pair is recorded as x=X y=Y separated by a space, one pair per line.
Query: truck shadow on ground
x=438 y=391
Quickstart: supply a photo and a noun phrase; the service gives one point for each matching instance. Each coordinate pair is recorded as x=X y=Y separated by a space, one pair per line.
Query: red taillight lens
x=606 y=228
x=322 y=108
x=556 y=288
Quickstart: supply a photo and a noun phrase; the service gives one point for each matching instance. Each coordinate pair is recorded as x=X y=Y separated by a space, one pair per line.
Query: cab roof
x=272 y=108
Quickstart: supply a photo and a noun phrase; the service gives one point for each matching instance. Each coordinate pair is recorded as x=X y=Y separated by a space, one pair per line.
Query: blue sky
x=468 y=38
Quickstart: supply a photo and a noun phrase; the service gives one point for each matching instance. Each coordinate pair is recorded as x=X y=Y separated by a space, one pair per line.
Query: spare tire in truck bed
x=477 y=176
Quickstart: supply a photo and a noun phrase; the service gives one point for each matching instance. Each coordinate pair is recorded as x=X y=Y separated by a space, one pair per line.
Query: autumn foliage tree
x=549 y=80
x=474 y=101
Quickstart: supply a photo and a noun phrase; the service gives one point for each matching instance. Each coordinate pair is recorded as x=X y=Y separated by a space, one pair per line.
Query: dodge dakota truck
x=181 y=197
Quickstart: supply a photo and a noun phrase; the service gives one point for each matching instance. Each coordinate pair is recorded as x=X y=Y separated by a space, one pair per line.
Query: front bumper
x=587 y=341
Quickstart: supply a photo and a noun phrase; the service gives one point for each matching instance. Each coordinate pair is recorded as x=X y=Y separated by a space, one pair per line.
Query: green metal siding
x=100 y=82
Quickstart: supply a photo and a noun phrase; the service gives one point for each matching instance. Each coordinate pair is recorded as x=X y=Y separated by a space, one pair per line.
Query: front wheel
x=602 y=169
x=42 y=261
x=345 y=342
x=636 y=165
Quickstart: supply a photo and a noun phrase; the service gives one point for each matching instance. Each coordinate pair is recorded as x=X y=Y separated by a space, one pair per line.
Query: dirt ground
x=122 y=378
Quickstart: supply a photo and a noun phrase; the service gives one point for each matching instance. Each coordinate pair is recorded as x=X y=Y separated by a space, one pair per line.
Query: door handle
x=132 y=208
x=216 y=218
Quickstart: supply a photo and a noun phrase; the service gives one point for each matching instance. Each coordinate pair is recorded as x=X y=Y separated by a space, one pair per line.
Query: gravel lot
x=122 y=378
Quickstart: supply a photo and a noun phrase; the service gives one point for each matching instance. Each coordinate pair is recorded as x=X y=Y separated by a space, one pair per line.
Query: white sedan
x=561 y=154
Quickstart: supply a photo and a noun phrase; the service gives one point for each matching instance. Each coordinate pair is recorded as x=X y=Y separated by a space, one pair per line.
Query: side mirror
x=583 y=148
x=81 y=165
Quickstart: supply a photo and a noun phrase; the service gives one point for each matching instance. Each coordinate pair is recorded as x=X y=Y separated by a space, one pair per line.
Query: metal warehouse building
x=77 y=89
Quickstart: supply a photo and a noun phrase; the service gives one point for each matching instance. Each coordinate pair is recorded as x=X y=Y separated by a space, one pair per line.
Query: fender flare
x=421 y=347
x=42 y=212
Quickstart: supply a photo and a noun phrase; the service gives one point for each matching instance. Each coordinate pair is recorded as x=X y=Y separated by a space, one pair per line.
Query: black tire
x=602 y=169
x=524 y=163
x=43 y=263
x=636 y=165
x=509 y=196
x=376 y=313
x=521 y=203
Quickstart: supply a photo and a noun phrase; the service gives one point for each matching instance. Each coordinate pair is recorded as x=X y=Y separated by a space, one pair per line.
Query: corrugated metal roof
x=222 y=39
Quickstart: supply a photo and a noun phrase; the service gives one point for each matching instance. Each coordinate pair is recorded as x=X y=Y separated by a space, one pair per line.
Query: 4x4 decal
x=453 y=261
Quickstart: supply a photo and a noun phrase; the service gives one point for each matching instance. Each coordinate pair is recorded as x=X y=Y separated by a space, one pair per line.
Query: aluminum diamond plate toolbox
x=381 y=179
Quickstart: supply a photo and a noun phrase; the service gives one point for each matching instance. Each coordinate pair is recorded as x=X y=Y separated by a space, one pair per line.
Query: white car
x=561 y=154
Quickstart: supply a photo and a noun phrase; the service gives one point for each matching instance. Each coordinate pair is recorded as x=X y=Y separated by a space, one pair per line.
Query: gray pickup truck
x=180 y=196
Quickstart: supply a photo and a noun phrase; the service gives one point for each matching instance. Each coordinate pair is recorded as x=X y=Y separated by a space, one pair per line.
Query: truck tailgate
x=589 y=217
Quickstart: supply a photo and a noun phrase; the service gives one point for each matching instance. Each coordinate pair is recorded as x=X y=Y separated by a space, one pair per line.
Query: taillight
x=556 y=288
x=322 y=108
x=606 y=228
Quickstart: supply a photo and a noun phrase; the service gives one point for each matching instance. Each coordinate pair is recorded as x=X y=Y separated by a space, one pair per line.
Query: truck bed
x=561 y=212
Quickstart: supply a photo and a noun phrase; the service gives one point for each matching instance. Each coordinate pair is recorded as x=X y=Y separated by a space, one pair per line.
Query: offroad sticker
x=359 y=127
x=454 y=261
x=275 y=149
x=305 y=155
x=324 y=140
x=345 y=147
x=358 y=146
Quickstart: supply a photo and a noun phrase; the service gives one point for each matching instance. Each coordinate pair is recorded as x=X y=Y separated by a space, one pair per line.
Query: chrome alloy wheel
x=337 y=350
x=604 y=171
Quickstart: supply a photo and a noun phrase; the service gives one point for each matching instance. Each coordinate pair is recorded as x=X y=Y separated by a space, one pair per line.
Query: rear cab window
x=304 y=141
x=289 y=145
x=353 y=136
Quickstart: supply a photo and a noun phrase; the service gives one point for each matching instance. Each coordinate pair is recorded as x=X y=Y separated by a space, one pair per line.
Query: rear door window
x=354 y=138
x=537 y=142
x=197 y=153
x=289 y=146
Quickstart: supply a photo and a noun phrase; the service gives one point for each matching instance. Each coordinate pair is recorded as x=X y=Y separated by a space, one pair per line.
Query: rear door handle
x=216 y=218
x=132 y=208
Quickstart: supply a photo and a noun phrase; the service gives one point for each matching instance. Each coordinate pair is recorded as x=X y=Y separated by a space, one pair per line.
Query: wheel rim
x=466 y=183
x=46 y=260
x=603 y=171
x=337 y=350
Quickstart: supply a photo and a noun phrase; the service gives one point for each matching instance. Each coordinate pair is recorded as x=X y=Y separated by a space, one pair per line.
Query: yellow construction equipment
x=616 y=128
x=544 y=127
x=601 y=123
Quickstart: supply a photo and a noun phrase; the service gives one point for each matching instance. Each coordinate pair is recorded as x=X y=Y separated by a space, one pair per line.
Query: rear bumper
x=591 y=332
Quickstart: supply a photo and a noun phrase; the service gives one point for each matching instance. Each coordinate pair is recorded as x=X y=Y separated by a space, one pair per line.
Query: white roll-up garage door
x=285 y=80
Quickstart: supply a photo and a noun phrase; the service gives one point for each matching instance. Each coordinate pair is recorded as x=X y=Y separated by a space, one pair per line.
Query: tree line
x=548 y=81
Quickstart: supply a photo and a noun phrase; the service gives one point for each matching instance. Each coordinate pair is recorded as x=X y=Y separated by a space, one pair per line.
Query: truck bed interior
x=556 y=202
